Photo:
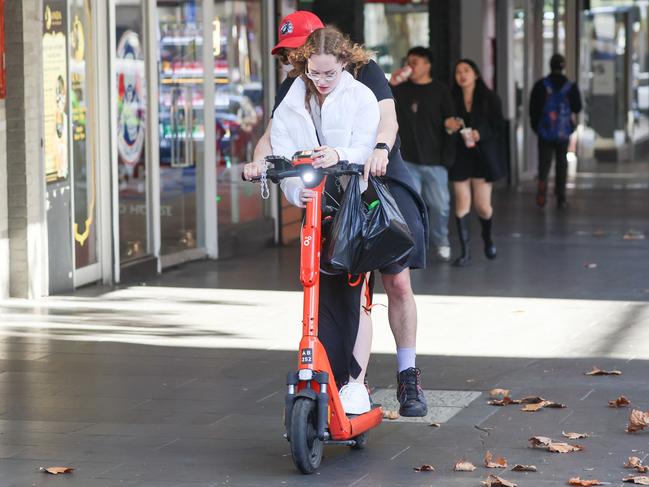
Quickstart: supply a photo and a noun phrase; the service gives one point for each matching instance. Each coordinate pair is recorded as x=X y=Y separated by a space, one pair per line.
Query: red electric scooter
x=314 y=414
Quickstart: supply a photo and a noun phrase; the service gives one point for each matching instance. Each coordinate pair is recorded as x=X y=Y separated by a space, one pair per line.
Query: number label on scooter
x=306 y=356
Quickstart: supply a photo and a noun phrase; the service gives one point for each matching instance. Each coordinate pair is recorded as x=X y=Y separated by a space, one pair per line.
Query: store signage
x=3 y=87
x=130 y=100
x=55 y=90
x=603 y=77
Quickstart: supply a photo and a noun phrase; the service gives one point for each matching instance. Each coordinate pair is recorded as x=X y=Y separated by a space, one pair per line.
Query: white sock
x=406 y=358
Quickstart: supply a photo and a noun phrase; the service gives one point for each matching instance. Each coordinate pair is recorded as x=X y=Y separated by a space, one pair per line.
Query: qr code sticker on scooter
x=307 y=356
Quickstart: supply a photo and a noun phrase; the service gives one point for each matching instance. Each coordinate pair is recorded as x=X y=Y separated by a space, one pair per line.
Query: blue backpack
x=556 y=121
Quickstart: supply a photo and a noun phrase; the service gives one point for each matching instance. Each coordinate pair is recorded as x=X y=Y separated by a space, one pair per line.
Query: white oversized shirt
x=349 y=122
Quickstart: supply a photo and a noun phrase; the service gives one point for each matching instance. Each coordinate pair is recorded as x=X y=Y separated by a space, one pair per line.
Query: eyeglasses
x=321 y=77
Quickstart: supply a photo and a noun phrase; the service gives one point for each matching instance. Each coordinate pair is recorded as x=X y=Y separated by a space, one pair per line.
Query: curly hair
x=327 y=40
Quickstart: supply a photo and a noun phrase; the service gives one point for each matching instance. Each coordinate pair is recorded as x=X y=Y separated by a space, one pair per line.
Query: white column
x=27 y=228
x=153 y=139
x=104 y=47
x=207 y=176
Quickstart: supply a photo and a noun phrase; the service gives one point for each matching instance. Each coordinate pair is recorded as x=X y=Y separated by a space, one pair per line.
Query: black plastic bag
x=342 y=245
x=386 y=237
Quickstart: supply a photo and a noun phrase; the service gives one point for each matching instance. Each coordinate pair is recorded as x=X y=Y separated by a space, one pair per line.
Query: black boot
x=465 y=240
x=489 y=247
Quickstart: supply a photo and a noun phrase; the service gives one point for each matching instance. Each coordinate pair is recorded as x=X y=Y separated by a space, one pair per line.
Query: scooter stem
x=310 y=262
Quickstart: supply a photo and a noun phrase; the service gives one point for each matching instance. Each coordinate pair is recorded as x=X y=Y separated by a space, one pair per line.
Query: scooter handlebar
x=275 y=175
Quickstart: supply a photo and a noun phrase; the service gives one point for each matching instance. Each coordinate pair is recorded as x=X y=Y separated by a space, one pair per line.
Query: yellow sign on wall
x=55 y=91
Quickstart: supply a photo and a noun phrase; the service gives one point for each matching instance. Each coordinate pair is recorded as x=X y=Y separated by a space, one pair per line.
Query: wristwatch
x=383 y=145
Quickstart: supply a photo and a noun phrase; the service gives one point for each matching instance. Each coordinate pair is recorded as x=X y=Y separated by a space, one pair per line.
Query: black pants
x=340 y=306
x=558 y=150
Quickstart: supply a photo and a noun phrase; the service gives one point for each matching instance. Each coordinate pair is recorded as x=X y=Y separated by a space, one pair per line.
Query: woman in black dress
x=479 y=158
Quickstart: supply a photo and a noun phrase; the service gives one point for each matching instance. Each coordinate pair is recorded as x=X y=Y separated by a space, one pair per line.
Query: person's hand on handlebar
x=324 y=156
x=306 y=195
x=253 y=169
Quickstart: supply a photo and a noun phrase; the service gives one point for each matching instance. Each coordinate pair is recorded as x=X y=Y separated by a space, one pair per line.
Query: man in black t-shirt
x=386 y=161
x=423 y=107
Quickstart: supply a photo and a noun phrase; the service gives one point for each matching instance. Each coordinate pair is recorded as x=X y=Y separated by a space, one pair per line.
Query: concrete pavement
x=179 y=382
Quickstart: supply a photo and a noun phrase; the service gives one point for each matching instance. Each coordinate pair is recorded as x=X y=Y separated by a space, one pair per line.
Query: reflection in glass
x=131 y=129
x=181 y=120
x=391 y=29
x=82 y=86
x=239 y=106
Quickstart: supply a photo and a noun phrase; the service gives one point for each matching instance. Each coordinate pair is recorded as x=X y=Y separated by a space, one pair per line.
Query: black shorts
x=412 y=214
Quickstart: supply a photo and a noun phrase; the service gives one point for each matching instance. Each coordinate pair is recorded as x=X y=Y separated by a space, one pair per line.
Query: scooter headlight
x=308 y=176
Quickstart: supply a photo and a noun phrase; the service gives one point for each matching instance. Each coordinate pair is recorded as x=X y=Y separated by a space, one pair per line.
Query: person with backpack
x=554 y=104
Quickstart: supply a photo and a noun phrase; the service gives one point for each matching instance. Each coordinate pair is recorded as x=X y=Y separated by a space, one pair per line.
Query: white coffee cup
x=467 y=135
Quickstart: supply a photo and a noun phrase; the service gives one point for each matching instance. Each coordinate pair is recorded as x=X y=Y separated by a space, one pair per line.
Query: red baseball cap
x=295 y=28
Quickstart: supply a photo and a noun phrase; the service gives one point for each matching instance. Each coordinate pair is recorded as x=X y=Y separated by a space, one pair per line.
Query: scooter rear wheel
x=306 y=447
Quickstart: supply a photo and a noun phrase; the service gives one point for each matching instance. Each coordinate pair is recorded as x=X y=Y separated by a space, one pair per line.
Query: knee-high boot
x=465 y=241
x=489 y=247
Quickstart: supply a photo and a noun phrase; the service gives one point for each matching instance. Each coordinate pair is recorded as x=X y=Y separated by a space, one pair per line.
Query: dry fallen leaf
x=389 y=414
x=620 y=402
x=499 y=393
x=434 y=425
x=495 y=481
x=505 y=401
x=635 y=462
x=583 y=483
x=574 y=436
x=633 y=235
x=424 y=468
x=637 y=420
x=533 y=400
x=564 y=447
x=463 y=466
x=56 y=470
x=499 y=463
x=598 y=371
x=554 y=447
x=550 y=404
x=636 y=480
x=540 y=441
x=523 y=468
x=532 y=408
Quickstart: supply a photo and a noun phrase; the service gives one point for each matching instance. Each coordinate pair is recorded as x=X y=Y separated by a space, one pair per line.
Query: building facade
x=120 y=152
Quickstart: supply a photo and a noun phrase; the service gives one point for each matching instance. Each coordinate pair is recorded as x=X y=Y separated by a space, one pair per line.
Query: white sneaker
x=444 y=253
x=355 y=398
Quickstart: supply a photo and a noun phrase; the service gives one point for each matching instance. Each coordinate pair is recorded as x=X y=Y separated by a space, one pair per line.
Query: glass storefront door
x=239 y=110
x=131 y=111
x=83 y=85
x=181 y=121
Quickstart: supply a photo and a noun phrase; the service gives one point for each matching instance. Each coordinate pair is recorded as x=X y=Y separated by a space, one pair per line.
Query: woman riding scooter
x=327 y=110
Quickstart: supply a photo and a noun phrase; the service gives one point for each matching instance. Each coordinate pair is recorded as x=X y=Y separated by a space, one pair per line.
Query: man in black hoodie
x=554 y=104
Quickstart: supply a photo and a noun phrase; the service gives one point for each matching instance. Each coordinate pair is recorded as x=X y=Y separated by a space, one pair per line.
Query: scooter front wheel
x=306 y=447
x=361 y=441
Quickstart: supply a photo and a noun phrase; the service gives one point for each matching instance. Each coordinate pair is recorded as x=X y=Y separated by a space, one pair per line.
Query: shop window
x=181 y=121
x=239 y=107
x=131 y=110
x=82 y=85
x=393 y=28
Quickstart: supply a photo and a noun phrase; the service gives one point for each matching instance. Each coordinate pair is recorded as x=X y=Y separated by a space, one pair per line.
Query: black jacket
x=487 y=119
